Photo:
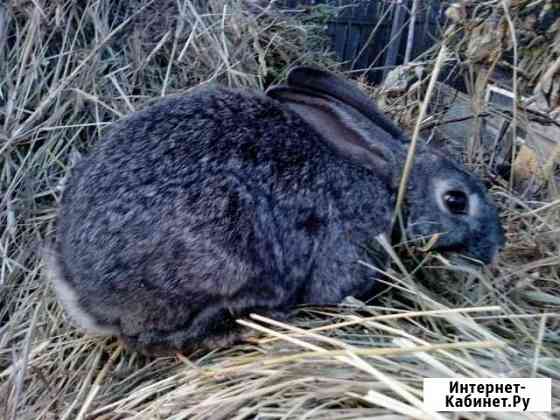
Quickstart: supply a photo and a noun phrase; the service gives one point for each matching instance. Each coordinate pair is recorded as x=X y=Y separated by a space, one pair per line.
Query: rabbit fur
x=205 y=208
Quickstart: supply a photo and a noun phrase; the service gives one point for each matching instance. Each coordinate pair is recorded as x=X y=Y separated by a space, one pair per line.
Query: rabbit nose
x=502 y=240
x=494 y=259
x=497 y=251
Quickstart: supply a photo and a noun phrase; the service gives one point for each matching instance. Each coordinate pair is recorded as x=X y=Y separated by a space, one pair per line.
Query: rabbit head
x=442 y=198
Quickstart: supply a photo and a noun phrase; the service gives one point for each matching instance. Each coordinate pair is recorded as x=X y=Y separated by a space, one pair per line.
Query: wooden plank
x=538 y=143
x=350 y=31
x=396 y=34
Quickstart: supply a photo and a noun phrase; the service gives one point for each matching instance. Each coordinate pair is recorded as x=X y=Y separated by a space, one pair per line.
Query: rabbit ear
x=344 y=128
x=326 y=83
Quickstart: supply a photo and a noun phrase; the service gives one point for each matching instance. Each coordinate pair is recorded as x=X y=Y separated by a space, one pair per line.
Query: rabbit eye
x=456 y=202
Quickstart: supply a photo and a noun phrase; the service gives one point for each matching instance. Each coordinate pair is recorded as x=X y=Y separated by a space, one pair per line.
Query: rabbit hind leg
x=213 y=328
x=69 y=298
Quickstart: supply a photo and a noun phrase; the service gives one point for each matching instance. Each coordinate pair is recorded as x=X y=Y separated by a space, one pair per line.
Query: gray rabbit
x=202 y=209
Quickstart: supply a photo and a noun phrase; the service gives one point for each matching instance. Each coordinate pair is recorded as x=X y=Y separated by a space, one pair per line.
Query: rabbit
x=204 y=208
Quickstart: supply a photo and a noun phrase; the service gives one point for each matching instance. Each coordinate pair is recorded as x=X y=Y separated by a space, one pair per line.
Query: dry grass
x=68 y=69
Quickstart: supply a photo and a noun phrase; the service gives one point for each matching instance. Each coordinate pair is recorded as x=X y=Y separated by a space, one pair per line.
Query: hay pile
x=69 y=68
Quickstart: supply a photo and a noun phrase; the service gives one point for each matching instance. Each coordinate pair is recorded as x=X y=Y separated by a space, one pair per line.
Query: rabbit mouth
x=462 y=260
x=456 y=255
